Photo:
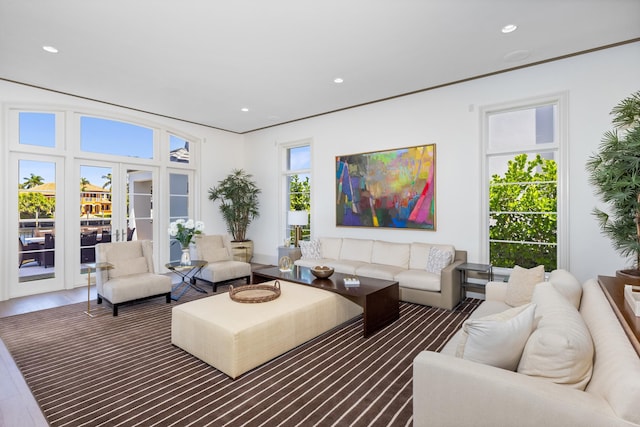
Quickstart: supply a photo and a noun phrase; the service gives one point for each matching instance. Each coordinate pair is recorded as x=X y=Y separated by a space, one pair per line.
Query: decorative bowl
x=321 y=271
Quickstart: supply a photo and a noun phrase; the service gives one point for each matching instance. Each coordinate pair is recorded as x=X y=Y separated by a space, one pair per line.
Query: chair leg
x=168 y=297
x=115 y=310
x=99 y=299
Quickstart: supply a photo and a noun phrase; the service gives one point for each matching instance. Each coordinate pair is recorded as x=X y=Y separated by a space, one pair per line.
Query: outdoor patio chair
x=28 y=253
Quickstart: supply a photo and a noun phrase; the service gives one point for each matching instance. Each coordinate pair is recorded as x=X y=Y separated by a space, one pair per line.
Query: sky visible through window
x=108 y=137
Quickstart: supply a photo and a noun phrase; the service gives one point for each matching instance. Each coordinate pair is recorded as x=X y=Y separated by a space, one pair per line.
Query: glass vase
x=185 y=259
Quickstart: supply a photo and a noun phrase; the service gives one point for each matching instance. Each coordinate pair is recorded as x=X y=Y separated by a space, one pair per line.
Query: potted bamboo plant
x=238 y=196
x=614 y=171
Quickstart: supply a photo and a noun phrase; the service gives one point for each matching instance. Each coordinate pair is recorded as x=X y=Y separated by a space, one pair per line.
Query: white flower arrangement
x=183 y=231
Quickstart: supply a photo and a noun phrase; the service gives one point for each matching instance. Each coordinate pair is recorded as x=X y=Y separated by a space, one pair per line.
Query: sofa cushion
x=396 y=254
x=497 y=339
x=310 y=249
x=344 y=266
x=438 y=259
x=356 y=250
x=127 y=267
x=378 y=271
x=560 y=349
x=421 y=280
x=567 y=284
x=521 y=284
x=212 y=248
x=330 y=247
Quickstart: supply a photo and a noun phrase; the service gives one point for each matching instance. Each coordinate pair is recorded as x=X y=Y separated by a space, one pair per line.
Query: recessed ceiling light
x=50 y=49
x=245 y=109
x=509 y=28
x=338 y=80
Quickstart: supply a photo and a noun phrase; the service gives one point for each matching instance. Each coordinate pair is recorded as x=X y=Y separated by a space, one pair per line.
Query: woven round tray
x=255 y=293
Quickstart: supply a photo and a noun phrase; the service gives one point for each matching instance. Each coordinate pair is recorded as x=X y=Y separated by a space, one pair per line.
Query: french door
x=116 y=205
x=62 y=213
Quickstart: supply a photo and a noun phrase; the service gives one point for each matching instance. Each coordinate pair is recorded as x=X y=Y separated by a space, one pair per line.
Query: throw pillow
x=438 y=259
x=521 y=284
x=125 y=267
x=498 y=339
x=560 y=349
x=567 y=284
x=310 y=249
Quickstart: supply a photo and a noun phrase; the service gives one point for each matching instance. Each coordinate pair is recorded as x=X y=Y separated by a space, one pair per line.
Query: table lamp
x=298 y=219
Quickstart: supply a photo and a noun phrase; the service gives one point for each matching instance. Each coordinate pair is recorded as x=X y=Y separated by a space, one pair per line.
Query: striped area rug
x=124 y=371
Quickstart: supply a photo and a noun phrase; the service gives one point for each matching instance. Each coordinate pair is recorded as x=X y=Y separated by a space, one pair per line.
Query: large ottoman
x=237 y=337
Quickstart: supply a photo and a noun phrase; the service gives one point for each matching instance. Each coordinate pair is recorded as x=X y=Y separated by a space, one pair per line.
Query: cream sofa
x=560 y=380
x=406 y=263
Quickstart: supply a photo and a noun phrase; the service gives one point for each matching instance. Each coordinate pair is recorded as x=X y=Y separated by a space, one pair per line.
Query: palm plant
x=615 y=173
x=238 y=196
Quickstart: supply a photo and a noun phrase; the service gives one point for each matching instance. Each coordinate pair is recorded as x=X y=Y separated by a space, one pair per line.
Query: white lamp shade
x=298 y=217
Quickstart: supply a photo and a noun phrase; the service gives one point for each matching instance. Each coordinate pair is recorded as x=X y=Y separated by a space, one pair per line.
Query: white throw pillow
x=438 y=259
x=498 y=339
x=521 y=284
x=310 y=249
x=567 y=284
x=560 y=349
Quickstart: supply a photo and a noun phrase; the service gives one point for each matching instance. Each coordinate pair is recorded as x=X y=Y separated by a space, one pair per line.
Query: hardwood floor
x=18 y=408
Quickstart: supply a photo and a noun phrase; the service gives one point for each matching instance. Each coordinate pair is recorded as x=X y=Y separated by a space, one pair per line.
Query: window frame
x=560 y=146
x=285 y=173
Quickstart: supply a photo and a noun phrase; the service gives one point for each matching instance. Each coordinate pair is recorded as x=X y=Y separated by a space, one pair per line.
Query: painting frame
x=387 y=189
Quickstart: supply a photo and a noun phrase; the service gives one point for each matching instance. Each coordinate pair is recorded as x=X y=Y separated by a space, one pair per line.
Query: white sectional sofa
x=577 y=367
x=426 y=273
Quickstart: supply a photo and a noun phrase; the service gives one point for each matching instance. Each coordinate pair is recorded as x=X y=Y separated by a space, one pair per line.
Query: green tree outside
x=31 y=181
x=31 y=203
x=300 y=200
x=523 y=214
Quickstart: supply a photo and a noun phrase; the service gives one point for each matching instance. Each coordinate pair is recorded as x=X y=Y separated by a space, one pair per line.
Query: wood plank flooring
x=18 y=408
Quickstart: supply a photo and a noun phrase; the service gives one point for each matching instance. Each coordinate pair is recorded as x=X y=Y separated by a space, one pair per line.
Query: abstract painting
x=391 y=189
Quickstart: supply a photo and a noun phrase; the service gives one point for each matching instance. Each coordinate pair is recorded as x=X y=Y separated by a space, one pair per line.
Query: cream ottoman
x=237 y=337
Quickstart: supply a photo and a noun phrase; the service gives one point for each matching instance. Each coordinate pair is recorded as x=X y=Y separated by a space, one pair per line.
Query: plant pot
x=630 y=277
x=242 y=250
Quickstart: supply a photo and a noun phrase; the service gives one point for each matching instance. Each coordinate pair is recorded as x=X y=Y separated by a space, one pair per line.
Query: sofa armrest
x=450 y=283
x=449 y=391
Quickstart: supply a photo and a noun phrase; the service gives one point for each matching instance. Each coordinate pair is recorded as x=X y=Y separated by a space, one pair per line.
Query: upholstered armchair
x=132 y=276
x=216 y=250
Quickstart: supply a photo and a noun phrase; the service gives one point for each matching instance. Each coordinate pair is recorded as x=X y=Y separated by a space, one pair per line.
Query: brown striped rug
x=124 y=371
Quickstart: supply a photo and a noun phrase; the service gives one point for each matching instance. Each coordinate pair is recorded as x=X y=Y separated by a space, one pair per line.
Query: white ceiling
x=203 y=60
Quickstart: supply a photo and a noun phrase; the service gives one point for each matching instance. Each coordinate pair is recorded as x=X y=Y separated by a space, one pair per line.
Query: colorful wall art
x=392 y=189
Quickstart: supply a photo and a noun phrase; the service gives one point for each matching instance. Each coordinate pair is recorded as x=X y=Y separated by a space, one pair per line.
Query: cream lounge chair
x=132 y=276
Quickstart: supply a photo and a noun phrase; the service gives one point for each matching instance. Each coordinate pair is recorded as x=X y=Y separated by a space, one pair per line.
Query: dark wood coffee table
x=379 y=298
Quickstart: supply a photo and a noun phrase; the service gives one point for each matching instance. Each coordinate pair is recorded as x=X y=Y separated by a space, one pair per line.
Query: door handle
x=117 y=235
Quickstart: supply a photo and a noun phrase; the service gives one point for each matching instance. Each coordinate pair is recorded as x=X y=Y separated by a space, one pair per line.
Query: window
x=37 y=129
x=117 y=138
x=178 y=149
x=297 y=183
x=523 y=170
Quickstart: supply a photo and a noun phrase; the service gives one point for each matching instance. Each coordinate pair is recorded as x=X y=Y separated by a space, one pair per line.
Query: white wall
x=450 y=118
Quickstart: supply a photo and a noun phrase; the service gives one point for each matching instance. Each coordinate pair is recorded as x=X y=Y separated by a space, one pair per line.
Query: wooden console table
x=613 y=288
